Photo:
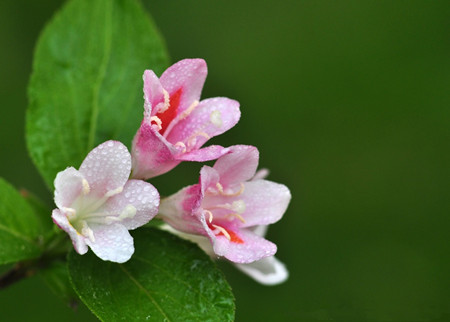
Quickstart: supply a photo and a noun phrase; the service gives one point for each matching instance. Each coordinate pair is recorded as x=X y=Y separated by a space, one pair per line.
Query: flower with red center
x=176 y=124
x=226 y=206
x=97 y=204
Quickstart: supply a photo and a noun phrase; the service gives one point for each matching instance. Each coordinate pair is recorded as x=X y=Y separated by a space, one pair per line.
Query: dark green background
x=348 y=102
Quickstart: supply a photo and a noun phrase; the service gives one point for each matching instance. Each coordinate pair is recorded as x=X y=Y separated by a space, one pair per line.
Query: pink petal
x=209 y=177
x=68 y=186
x=237 y=166
x=267 y=271
x=107 y=167
x=177 y=210
x=211 y=117
x=209 y=153
x=153 y=92
x=188 y=75
x=265 y=202
x=252 y=249
x=152 y=154
x=112 y=243
x=139 y=194
x=261 y=174
x=62 y=222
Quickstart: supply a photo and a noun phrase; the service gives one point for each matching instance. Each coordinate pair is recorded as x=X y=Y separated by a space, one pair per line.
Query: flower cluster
x=226 y=213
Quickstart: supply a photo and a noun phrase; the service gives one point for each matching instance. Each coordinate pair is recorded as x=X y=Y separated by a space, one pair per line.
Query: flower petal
x=208 y=178
x=153 y=92
x=68 y=186
x=152 y=154
x=211 y=117
x=252 y=249
x=142 y=196
x=267 y=271
x=62 y=222
x=265 y=202
x=178 y=210
x=209 y=153
x=112 y=243
x=107 y=167
x=188 y=75
x=239 y=165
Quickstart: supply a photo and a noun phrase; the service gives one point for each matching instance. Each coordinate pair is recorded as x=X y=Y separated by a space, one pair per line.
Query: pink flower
x=226 y=206
x=97 y=204
x=175 y=123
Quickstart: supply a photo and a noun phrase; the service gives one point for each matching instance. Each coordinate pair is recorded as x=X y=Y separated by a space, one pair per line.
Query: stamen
x=228 y=193
x=128 y=212
x=188 y=111
x=209 y=213
x=192 y=140
x=87 y=231
x=216 y=118
x=233 y=216
x=86 y=187
x=70 y=212
x=166 y=105
x=182 y=145
x=180 y=117
x=222 y=230
x=158 y=122
x=238 y=206
x=114 y=192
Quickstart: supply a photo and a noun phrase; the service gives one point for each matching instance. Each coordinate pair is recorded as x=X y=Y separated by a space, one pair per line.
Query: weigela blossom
x=97 y=204
x=226 y=206
x=176 y=124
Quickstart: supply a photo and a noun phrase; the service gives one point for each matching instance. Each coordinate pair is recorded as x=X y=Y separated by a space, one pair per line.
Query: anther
x=87 y=231
x=192 y=140
x=227 y=193
x=233 y=216
x=216 y=118
x=189 y=110
x=209 y=213
x=86 y=188
x=70 y=212
x=114 y=192
x=181 y=145
x=158 y=122
x=221 y=230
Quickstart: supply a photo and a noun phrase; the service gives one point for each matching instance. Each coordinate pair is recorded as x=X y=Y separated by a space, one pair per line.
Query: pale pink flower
x=97 y=204
x=226 y=206
x=176 y=124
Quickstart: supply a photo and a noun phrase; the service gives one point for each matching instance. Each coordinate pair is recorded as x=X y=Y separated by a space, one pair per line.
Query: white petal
x=107 y=167
x=62 y=222
x=267 y=271
x=138 y=194
x=68 y=186
x=112 y=243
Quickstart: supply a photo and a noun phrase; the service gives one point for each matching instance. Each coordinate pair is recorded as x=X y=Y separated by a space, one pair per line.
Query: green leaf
x=56 y=276
x=20 y=228
x=41 y=210
x=166 y=279
x=86 y=85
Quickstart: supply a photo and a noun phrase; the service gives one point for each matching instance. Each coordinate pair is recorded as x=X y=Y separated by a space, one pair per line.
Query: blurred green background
x=349 y=104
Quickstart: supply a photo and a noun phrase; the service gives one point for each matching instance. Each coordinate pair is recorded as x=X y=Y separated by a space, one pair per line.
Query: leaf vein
x=140 y=286
x=101 y=75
